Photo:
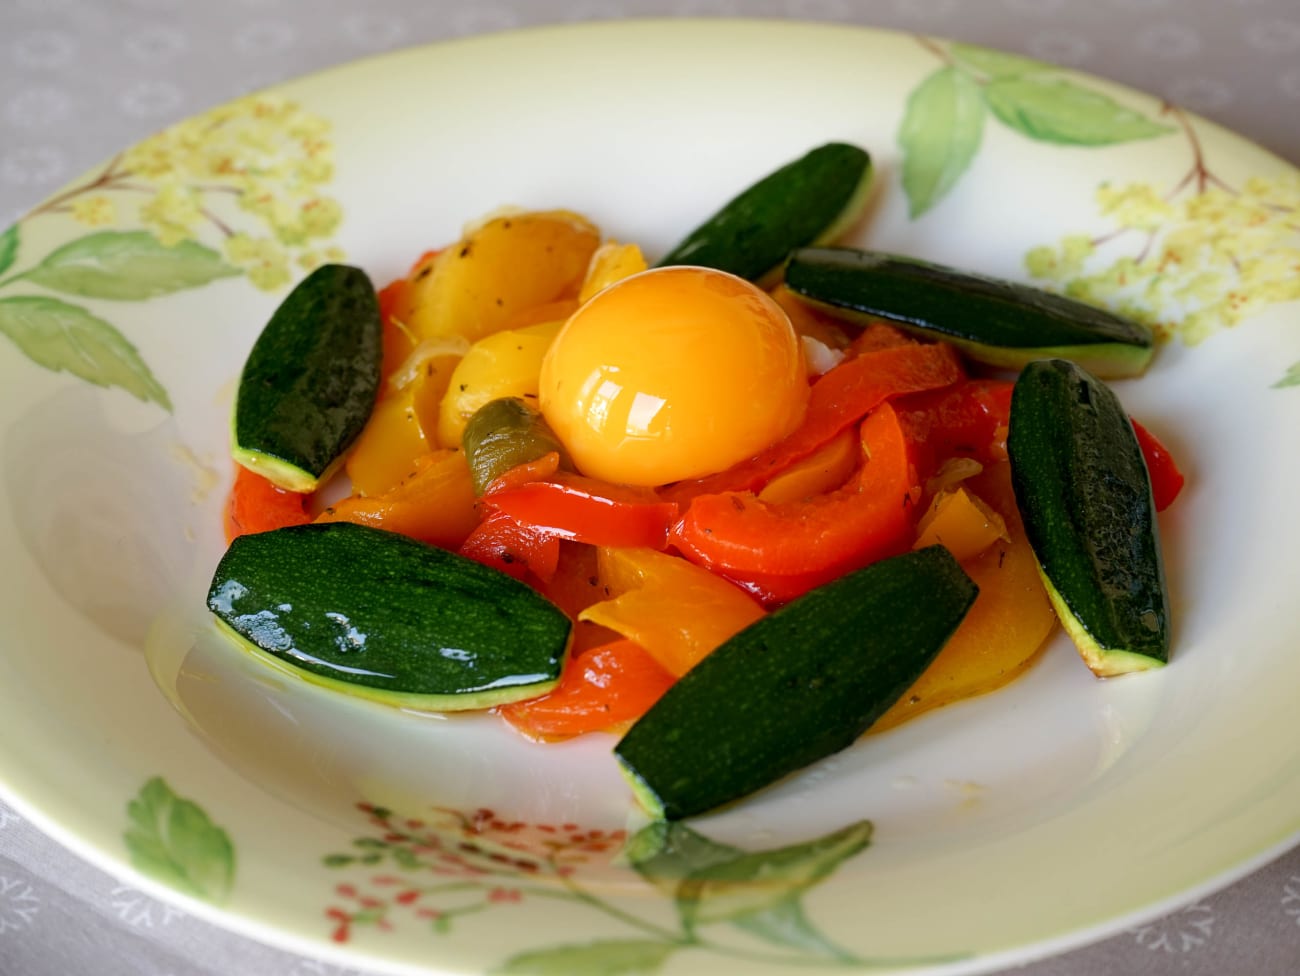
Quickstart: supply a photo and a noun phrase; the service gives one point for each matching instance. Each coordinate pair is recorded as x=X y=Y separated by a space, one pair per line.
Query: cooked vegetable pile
x=738 y=508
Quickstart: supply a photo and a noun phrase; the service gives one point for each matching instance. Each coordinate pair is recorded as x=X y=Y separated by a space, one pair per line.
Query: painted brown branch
x=1107 y=238
x=1199 y=172
x=217 y=222
x=110 y=178
x=934 y=48
x=1146 y=248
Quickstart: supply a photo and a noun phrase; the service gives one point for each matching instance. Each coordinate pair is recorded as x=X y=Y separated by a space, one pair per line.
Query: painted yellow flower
x=1186 y=266
x=172 y=212
x=252 y=170
x=264 y=261
x=94 y=211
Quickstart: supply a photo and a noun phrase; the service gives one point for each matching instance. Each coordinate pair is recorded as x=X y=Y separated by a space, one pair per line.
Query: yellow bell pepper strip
x=400 y=430
x=570 y=506
x=677 y=611
x=435 y=504
x=960 y=522
x=1003 y=632
x=778 y=552
x=612 y=262
x=825 y=470
x=395 y=309
x=603 y=689
x=838 y=400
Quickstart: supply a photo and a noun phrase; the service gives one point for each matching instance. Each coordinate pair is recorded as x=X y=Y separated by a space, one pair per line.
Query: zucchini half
x=813 y=200
x=795 y=686
x=1084 y=495
x=311 y=379
x=380 y=616
x=1001 y=323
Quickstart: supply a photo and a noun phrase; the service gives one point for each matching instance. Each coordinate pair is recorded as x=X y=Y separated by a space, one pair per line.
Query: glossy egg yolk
x=673 y=373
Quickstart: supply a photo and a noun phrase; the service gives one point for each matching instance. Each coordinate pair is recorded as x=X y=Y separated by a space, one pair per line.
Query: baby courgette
x=812 y=200
x=998 y=322
x=1084 y=495
x=381 y=616
x=797 y=685
x=311 y=379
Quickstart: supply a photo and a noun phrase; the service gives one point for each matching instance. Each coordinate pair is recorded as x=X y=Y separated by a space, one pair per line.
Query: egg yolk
x=673 y=373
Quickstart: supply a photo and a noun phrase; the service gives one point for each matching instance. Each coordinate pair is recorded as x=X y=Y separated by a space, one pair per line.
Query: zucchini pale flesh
x=1002 y=323
x=1084 y=495
x=381 y=616
x=812 y=200
x=797 y=685
x=311 y=379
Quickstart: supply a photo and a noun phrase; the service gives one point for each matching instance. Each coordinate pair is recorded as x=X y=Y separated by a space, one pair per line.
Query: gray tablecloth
x=80 y=79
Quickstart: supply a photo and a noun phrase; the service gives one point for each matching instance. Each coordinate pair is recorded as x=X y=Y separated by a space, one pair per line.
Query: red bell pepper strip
x=257 y=505
x=503 y=542
x=969 y=419
x=839 y=398
x=1166 y=480
x=779 y=551
x=569 y=506
x=602 y=689
x=521 y=474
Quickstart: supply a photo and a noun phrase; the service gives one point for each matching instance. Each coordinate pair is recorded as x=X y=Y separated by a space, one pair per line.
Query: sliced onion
x=413 y=365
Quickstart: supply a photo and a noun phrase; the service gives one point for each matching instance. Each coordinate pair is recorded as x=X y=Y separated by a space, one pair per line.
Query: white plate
x=1033 y=819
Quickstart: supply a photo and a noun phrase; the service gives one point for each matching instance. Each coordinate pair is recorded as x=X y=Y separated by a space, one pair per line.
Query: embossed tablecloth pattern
x=80 y=79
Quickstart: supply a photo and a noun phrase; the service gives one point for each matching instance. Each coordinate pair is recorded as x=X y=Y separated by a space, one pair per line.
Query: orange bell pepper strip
x=1166 y=480
x=779 y=551
x=435 y=504
x=394 y=299
x=255 y=504
x=603 y=689
x=838 y=399
x=570 y=506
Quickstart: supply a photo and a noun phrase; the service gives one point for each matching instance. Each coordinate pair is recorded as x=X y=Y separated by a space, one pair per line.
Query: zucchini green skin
x=310 y=380
x=797 y=685
x=811 y=200
x=1002 y=323
x=502 y=434
x=1084 y=494
x=382 y=616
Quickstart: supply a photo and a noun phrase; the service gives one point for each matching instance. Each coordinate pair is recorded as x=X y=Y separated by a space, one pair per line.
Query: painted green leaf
x=8 y=247
x=128 y=266
x=63 y=337
x=60 y=336
x=1056 y=110
x=172 y=840
x=943 y=125
x=1292 y=377
x=758 y=882
x=665 y=852
x=996 y=64
x=608 y=958
x=785 y=924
